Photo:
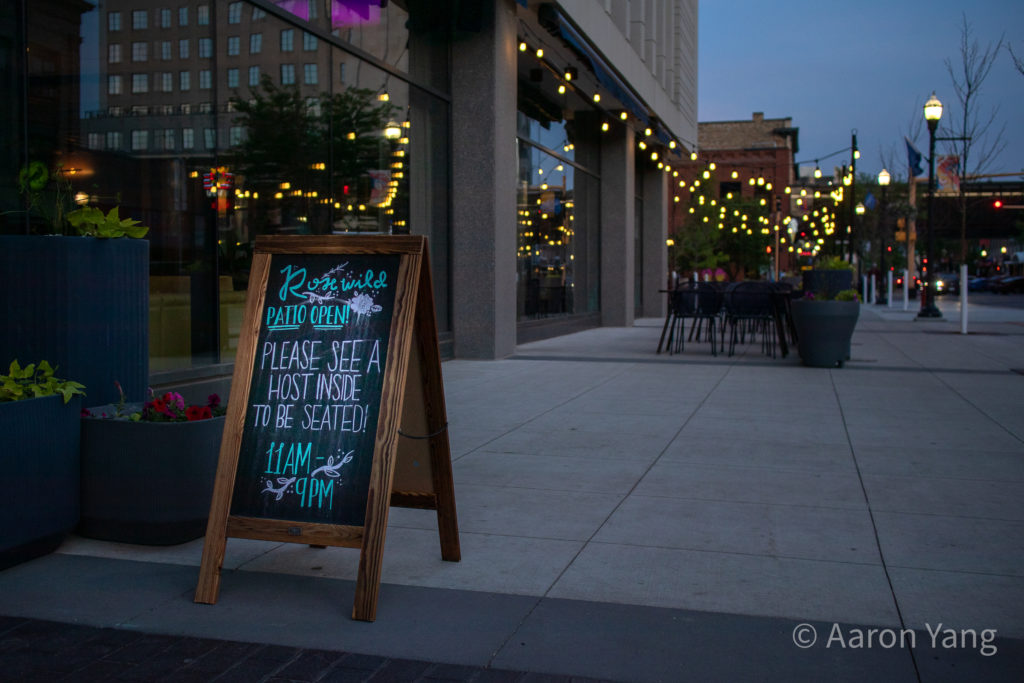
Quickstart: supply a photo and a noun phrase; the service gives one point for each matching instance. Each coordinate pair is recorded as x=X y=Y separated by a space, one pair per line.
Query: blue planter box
x=147 y=482
x=39 y=467
x=81 y=303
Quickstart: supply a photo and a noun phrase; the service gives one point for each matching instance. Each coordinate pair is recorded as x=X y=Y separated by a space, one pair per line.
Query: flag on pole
x=913 y=159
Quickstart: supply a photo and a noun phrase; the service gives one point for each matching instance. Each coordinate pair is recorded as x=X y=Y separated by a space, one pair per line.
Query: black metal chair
x=749 y=308
x=699 y=302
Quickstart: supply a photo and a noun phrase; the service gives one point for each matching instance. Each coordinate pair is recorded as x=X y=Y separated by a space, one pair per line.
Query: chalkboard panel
x=314 y=398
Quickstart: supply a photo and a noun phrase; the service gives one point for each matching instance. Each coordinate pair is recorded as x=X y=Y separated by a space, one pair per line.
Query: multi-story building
x=750 y=160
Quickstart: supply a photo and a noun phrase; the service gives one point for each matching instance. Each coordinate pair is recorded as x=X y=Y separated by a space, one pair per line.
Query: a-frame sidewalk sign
x=337 y=408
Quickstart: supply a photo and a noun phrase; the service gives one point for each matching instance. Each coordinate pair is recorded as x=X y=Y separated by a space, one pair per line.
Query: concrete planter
x=147 y=482
x=39 y=468
x=82 y=303
x=824 y=330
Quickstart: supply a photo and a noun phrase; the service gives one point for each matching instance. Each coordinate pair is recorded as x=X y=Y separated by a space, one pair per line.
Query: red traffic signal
x=997 y=204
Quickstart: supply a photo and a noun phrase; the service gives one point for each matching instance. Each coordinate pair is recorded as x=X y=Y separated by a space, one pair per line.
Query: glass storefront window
x=556 y=243
x=212 y=153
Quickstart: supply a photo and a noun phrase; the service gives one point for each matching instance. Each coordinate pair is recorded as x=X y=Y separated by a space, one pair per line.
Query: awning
x=553 y=18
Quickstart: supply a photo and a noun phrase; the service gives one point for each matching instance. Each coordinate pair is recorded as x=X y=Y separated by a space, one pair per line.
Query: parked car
x=977 y=284
x=1010 y=284
x=947 y=283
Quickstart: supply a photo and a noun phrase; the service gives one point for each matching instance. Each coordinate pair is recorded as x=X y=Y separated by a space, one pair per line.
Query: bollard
x=963 y=298
x=906 y=289
x=888 y=289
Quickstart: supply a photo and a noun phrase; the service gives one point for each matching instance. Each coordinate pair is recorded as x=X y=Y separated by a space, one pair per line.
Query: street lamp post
x=932 y=114
x=883 y=296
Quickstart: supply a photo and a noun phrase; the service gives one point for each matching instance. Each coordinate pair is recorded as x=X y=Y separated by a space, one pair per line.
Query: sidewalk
x=627 y=516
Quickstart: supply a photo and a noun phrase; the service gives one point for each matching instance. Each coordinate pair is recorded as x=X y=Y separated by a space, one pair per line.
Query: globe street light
x=883 y=294
x=932 y=114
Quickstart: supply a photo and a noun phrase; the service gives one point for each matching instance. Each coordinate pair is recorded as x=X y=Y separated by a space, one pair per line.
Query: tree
x=972 y=128
x=1017 y=61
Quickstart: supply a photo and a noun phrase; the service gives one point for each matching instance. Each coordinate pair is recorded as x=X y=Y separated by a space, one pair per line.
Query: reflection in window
x=254 y=76
x=287 y=40
x=165 y=18
x=205 y=79
x=188 y=138
x=183 y=16
x=232 y=78
x=114 y=84
x=140 y=140
x=185 y=81
x=165 y=50
x=255 y=43
x=308 y=42
x=114 y=142
x=167 y=82
x=235 y=13
x=140 y=19
x=205 y=48
x=287 y=74
x=210 y=138
x=114 y=53
x=113 y=21
x=234 y=45
x=203 y=15
x=183 y=48
x=309 y=74
x=140 y=51
x=140 y=83
x=557 y=268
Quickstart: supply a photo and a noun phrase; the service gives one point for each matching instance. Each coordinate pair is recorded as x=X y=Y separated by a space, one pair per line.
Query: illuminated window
x=188 y=138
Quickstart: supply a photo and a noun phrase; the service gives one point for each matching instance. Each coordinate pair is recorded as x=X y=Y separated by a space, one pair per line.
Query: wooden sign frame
x=411 y=437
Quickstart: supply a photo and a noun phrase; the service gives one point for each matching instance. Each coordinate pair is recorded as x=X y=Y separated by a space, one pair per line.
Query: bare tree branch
x=977 y=141
x=1017 y=61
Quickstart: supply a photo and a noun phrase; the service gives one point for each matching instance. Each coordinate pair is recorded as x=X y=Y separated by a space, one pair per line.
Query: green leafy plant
x=34 y=380
x=92 y=222
x=847 y=295
x=833 y=263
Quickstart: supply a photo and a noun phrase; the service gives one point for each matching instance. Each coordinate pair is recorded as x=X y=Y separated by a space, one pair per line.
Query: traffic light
x=997 y=204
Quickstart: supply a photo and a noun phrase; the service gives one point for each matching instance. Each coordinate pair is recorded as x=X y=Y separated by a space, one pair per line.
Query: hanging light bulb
x=522 y=47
